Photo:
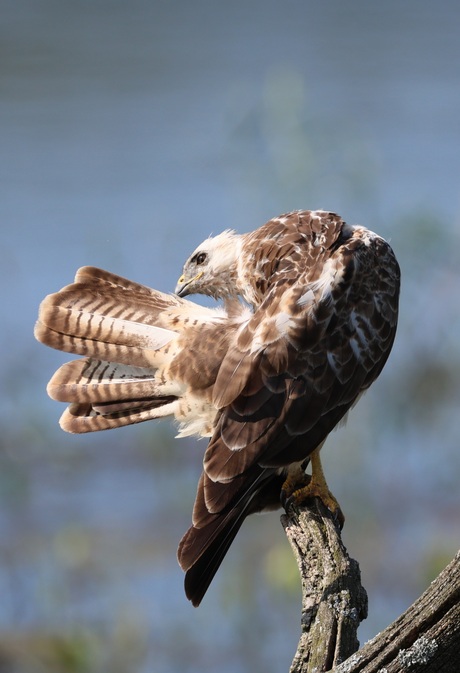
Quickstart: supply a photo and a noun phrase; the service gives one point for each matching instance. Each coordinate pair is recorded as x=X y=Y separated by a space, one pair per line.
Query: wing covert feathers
x=325 y=298
x=267 y=383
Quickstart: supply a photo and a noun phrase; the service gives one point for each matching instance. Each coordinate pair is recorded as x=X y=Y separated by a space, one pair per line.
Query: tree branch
x=426 y=638
x=333 y=599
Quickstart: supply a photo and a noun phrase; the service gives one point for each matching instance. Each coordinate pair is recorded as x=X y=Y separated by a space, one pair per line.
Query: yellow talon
x=300 y=487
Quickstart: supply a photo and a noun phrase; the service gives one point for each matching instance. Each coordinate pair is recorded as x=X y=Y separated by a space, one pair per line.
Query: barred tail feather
x=91 y=274
x=121 y=327
x=101 y=335
x=81 y=418
x=137 y=366
x=106 y=395
x=98 y=381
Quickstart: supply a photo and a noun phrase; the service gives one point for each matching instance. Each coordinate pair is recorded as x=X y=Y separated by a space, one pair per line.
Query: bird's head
x=212 y=268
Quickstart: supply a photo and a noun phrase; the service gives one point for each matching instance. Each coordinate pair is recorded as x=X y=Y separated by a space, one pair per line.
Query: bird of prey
x=307 y=322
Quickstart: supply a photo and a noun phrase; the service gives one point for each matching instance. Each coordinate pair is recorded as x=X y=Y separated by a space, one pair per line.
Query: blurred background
x=129 y=133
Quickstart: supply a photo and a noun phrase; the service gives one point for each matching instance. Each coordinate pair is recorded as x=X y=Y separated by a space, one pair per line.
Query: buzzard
x=307 y=322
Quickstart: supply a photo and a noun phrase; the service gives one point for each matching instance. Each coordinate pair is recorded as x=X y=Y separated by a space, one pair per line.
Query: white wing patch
x=329 y=278
x=307 y=298
x=283 y=322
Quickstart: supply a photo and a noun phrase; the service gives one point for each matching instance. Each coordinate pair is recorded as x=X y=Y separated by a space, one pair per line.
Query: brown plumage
x=266 y=380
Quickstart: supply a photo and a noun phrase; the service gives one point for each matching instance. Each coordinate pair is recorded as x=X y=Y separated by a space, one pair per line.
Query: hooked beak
x=184 y=286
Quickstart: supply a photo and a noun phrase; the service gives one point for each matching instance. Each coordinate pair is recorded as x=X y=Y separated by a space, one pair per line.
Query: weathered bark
x=333 y=599
x=426 y=638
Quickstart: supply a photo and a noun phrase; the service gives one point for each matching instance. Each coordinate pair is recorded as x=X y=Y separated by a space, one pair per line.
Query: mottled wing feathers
x=203 y=547
x=306 y=351
x=319 y=337
x=266 y=383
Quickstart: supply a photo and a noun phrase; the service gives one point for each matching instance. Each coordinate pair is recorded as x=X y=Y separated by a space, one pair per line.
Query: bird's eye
x=200 y=258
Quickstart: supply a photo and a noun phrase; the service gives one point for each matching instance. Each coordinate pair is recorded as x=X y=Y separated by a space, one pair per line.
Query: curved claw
x=295 y=481
x=299 y=487
x=316 y=490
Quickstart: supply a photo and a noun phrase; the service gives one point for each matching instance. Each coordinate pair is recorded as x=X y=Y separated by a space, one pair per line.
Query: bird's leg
x=300 y=487
x=296 y=480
